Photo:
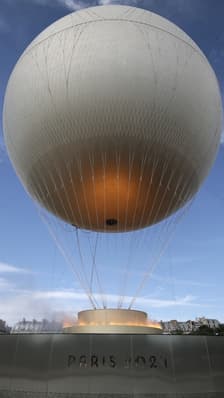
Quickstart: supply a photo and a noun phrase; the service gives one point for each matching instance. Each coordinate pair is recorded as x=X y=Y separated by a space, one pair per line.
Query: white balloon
x=112 y=118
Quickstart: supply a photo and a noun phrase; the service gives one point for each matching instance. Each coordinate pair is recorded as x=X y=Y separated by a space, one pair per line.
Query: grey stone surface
x=111 y=366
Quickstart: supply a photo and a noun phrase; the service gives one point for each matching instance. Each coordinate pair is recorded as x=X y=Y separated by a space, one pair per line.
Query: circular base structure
x=113 y=321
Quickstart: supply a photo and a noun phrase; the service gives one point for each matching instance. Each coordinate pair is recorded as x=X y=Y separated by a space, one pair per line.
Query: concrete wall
x=101 y=366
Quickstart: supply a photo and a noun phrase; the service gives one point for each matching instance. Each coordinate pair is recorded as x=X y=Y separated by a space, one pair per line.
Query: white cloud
x=45 y=303
x=58 y=294
x=5 y=285
x=73 y=5
x=79 y=296
x=182 y=282
x=105 y=2
x=123 y=2
x=17 y=303
x=7 y=268
x=17 y=306
x=148 y=302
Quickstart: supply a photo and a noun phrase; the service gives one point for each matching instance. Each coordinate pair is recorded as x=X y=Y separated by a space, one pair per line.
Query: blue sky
x=35 y=280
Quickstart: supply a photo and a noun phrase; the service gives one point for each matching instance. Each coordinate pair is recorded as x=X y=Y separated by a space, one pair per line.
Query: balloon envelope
x=112 y=118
